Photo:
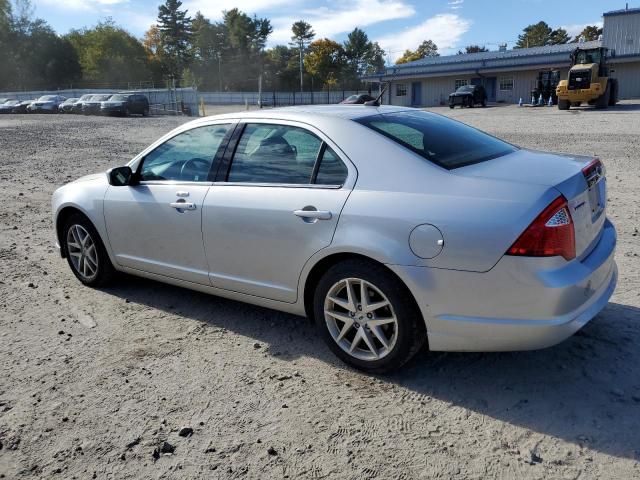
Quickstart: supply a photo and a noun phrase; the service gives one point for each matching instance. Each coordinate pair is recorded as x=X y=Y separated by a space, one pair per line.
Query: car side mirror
x=120 y=176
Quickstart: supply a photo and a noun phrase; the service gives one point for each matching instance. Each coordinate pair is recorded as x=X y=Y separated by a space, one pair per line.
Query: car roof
x=305 y=112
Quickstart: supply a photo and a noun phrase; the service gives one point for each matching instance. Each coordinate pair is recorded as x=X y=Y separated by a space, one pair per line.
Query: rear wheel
x=470 y=102
x=563 y=104
x=85 y=252
x=145 y=112
x=451 y=106
x=367 y=317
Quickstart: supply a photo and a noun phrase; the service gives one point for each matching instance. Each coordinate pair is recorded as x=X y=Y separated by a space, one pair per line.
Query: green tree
x=325 y=60
x=31 y=54
x=175 y=29
x=362 y=57
x=302 y=34
x=242 y=42
x=473 y=49
x=540 y=34
x=281 y=68
x=588 y=33
x=424 y=50
x=110 y=55
x=559 y=36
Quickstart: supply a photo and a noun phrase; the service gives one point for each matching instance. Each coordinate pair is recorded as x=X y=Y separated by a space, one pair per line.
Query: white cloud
x=213 y=9
x=455 y=4
x=444 y=30
x=576 y=29
x=329 y=22
x=82 y=4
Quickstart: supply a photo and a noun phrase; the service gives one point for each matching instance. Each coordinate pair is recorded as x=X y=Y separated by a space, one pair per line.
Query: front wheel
x=564 y=104
x=85 y=252
x=367 y=317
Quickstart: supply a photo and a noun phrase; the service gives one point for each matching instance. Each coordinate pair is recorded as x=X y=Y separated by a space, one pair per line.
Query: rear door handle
x=183 y=205
x=314 y=214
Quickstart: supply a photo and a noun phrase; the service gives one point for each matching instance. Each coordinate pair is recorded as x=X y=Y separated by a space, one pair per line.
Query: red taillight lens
x=550 y=234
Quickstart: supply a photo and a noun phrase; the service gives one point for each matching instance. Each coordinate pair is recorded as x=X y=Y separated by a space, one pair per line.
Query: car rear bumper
x=520 y=304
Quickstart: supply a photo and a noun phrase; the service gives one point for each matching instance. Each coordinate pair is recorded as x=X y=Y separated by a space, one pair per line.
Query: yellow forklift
x=589 y=80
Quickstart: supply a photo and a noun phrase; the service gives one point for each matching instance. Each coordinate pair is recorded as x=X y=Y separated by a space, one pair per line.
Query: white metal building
x=509 y=75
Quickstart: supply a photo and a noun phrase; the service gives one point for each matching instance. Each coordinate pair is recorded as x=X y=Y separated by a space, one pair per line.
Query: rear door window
x=440 y=140
x=271 y=153
x=331 y=171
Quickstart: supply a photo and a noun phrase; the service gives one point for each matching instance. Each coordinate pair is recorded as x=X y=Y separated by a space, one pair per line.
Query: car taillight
x=549 y=235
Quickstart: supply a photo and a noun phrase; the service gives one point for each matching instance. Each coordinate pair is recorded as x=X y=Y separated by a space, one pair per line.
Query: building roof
x=624 y=11
x=519 y=57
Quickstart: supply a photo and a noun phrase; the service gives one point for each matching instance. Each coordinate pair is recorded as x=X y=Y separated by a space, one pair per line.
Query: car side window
x=331 y=171
x=270 y=153
x=186 y=157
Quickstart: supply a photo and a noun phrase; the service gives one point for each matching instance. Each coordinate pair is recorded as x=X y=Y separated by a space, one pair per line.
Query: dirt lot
x=93 y=382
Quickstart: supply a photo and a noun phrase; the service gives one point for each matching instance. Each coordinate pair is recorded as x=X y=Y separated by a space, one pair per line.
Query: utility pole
x=260 y=90
x=219 y=72
x=301 y=76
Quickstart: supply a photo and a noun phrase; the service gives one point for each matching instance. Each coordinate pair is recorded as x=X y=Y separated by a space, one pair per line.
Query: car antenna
x=376 y=102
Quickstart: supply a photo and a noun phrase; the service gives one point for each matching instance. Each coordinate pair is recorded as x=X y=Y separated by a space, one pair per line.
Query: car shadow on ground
x=585 y=390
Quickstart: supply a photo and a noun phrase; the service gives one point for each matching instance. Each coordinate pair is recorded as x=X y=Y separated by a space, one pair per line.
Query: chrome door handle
x=315 y=214
x=183 y=205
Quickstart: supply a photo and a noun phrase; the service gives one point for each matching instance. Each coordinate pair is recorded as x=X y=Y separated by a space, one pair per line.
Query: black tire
x=127 y=112
x=484 y=103
x=145 y=112
x=613 y=97
x=470 y=103
x=451 y=107
x=603 y=100
x=104 y=270
x=410 y=331
x=564 y=104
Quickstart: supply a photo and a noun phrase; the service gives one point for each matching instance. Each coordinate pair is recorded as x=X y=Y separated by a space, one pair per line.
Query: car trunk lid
x=580 y=179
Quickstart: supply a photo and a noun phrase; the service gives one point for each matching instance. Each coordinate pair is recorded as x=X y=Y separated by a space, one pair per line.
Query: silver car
x=390 y=227
x=46 y=104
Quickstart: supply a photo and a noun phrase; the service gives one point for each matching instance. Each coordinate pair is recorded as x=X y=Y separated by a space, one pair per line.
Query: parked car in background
x=8 y=106
x=67 y=105
x=126 y=104
x=91 y=106
x=21 y=107
x=357 y=99
x=468 y=96
x=46 y=104
x=77 y=106
x=2 y=100
x=403 y=226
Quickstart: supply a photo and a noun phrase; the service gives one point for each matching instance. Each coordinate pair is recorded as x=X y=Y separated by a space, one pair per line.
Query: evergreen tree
x=175 y=33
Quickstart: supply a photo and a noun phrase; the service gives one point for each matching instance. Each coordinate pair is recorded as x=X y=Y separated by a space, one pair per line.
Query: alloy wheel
x=82 y=252
x=360 y=319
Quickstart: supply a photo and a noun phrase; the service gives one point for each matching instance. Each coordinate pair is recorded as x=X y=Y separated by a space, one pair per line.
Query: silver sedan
x=390 y=227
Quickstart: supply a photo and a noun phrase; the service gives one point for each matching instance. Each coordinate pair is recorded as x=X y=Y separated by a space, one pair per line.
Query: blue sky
x=395 y=24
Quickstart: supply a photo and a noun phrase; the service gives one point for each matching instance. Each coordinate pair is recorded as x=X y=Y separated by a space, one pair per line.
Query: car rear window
x=445 y=142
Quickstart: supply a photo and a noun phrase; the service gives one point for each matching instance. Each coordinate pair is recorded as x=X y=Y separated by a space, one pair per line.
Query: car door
x=155 y=225
x=274 y=204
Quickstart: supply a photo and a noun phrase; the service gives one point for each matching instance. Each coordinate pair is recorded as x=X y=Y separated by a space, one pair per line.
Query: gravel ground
x=144 y=380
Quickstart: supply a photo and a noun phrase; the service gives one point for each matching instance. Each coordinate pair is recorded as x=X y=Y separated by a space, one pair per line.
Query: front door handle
x=313 y=214
x=183 y=205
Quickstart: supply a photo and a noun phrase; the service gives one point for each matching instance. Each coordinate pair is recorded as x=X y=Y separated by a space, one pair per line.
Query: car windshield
x=440 y=140
x=70 y=100
x=465 y=89
x=85 y=97
x=100 y=98
x=11 y=102
x=119 y=98
x=47 y=98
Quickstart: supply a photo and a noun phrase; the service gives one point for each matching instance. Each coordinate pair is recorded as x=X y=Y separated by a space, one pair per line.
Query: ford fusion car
x=390 y=227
